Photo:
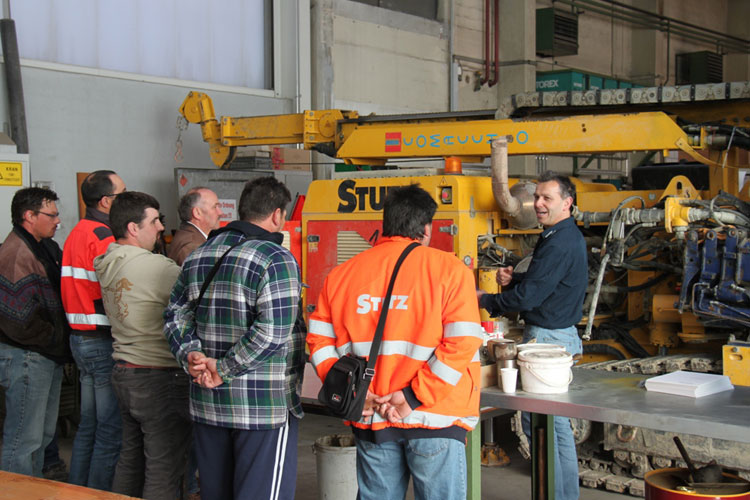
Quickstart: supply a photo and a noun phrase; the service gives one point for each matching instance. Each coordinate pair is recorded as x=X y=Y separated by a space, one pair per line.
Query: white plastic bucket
x=545 y=371
x=533 y=346
x=336 y=464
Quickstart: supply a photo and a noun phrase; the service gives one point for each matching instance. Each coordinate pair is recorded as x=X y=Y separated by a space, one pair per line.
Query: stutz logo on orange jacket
x=369 y=303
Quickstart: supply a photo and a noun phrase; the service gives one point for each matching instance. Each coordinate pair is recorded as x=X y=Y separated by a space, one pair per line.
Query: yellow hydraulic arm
x=309 y=128
x=372 y=140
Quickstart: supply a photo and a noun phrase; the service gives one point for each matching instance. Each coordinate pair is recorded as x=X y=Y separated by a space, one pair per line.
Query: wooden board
x=35 y=488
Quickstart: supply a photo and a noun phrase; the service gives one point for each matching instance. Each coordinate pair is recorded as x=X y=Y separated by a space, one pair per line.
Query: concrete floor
x=508 y=483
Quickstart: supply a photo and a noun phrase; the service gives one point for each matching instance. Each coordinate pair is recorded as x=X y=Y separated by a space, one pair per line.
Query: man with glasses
x=97 y=442
x=33 y=330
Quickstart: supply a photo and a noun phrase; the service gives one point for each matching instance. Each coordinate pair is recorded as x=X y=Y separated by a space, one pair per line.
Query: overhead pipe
x=661 y=23
x=486 y=76
x=689 y=27
x=496 y=55
x=17 y=110
x=453 y=64
x=491 y=58
x=650 y=20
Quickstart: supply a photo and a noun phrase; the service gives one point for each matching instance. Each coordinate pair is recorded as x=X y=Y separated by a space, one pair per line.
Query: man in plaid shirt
x=243 y=343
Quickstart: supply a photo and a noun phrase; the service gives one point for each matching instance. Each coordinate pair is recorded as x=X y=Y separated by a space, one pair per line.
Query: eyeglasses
x=115 y=195
x=52 y=216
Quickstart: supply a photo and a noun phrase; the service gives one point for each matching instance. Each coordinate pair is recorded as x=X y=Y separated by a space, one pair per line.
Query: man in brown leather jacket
x=199 y=211
x=33 y=330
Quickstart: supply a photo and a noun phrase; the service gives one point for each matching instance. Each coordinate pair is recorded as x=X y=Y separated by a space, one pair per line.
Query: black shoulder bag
x=345 y=387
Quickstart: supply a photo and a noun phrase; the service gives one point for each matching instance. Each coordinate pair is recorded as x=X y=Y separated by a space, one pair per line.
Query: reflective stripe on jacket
x=81 y=294
x=432 y=334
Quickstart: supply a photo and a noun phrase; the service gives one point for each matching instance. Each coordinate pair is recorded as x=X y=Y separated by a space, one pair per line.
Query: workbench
x=619 y=398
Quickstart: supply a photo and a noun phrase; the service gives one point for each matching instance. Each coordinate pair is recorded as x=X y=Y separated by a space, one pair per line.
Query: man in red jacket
x=425 y=393
x=97 y=442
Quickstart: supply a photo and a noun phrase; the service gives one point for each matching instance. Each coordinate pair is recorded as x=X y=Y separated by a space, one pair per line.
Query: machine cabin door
x=330 y=243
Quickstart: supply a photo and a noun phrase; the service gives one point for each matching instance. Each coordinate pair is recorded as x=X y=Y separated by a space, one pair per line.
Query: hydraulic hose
x=595 y=300
x=726 y=217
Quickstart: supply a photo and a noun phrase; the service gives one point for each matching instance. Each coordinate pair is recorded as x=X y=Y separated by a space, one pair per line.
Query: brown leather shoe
x=494 y=456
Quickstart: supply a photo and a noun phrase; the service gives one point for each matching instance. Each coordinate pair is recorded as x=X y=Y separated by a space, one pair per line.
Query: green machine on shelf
x=567 y=80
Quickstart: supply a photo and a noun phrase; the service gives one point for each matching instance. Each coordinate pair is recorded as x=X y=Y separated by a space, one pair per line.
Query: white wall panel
x=82 y=119
x=81 y=123
x=217 y=42
x=393 y=68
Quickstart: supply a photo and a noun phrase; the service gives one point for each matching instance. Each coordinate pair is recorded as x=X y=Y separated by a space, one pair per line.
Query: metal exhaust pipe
x=500 y=189
x=518 y=202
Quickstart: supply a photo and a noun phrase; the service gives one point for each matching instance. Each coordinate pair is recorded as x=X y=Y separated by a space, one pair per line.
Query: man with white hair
x=199 y=212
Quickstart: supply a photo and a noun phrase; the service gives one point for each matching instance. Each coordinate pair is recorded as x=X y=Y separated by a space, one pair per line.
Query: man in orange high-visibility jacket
x=97 y=443
x=425 y=393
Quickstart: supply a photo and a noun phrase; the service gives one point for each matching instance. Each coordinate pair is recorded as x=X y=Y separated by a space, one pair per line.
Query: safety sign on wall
x=228 y=211
x=11 y=173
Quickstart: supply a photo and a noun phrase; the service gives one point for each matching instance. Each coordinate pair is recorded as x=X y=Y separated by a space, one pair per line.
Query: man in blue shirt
x=549 y=297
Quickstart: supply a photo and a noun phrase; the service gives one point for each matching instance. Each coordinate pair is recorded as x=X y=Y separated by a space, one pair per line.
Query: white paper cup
x=508 y=377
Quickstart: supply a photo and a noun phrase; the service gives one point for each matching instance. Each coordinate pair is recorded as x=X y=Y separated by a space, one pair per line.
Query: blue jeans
x=32 y=399
x=99 y=436
x=566 y=459
x=437 y=466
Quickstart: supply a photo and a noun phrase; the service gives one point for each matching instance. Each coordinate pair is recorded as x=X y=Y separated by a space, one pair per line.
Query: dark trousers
x=241 y=464
x=52 y=453
x=156 y=431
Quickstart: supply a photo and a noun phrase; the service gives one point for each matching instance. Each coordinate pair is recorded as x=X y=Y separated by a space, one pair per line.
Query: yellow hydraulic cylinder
x=737 y=363
x=664 y=308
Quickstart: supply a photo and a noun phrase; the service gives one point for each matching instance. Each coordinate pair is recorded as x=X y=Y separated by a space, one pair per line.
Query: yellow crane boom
x=373 y=140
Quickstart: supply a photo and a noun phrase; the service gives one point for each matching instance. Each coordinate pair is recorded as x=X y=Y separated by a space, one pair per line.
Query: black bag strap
x=375 y=346
x=214 y=269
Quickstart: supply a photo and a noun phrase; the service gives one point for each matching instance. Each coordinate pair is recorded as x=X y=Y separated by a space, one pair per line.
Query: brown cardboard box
x=290 y=159
x=488 y=376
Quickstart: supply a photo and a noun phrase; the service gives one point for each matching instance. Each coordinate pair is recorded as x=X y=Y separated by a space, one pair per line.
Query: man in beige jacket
x=151 y=388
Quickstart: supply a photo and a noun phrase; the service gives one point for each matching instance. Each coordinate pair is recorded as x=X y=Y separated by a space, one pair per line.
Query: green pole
x=474 y=464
